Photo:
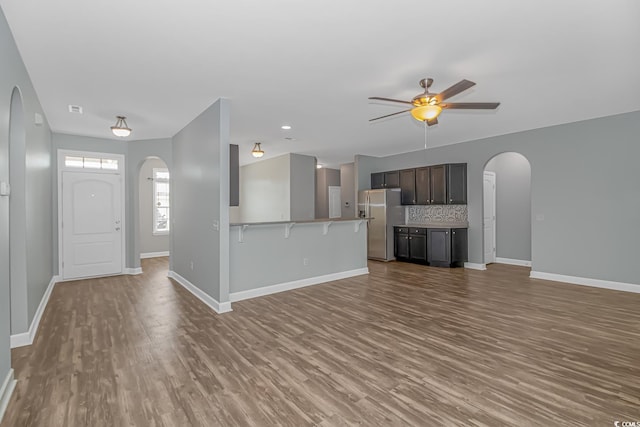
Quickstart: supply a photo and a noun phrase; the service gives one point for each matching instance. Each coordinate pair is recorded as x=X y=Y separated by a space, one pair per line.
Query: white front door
x=489 y=217
x=91 y=224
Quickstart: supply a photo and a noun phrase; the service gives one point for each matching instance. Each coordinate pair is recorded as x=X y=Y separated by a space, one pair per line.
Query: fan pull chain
x=425 y=134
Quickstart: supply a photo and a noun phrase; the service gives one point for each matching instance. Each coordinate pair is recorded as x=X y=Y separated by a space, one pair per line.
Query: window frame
x=155 y=181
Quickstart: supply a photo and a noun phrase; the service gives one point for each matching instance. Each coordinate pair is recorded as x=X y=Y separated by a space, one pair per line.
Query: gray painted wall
x=274 y=259
x=325 y=177
x=18 y=216
x=148 y=241
x=303 y=187
x=278 y=189
x=348 y=190
x=513 y=205
x=264 y=191
x=37 y=190
x=200 y=188
x=585 y=196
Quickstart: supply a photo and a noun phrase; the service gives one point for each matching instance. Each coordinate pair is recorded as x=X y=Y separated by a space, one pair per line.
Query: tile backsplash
x=436 y=213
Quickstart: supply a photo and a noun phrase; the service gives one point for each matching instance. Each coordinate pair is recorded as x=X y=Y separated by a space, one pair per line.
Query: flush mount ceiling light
x=257 y=150
x=285 y=127
x=121 y=128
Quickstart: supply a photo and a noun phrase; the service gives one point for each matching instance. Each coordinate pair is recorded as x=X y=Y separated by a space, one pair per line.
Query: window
x=160 y=201
x=90 y=163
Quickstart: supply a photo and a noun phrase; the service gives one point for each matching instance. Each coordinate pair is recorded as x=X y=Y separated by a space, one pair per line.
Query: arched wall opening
x=507 y=209
x=17 y=216
x=154 y=209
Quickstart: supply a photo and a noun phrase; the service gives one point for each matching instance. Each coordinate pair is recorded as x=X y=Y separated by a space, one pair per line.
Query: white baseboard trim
x=26 y=338
x=132 y=271
x=511 y=261
x=475 y=266
x=218 y=307
x=6 y=390
x=153 y=254
x=585 y=281
x=281 y=287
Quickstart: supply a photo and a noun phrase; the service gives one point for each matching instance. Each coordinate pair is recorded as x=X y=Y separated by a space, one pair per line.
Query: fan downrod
x=426 y=83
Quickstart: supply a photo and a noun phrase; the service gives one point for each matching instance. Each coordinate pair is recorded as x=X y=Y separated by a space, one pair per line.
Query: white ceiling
x=313 y=64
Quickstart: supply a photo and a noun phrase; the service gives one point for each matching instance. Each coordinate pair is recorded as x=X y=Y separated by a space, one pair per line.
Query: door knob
x=117 y=228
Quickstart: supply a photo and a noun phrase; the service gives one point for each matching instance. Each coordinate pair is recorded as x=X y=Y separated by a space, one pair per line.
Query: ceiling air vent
x=75 y=109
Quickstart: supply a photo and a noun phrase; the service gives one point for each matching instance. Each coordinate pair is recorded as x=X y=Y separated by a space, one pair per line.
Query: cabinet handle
x=410 y=238
x=451 y=200
x=431 y=200
x=446 y=232
x=453 y=232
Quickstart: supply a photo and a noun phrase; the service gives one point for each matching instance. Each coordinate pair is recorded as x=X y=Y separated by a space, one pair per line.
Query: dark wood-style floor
x=405 y=345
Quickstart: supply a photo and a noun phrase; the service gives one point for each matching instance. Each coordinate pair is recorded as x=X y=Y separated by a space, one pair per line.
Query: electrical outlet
x=191 y=265
x=305 y=261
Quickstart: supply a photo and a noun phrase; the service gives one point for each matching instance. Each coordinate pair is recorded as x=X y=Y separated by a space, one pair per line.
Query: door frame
x=494 y=220
x=121 y=172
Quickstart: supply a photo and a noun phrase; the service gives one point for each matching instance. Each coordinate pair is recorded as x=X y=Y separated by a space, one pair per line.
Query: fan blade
x=461 y=86
x=432 y=122
x=389 y=99
x=388 y=115
x=471 y=105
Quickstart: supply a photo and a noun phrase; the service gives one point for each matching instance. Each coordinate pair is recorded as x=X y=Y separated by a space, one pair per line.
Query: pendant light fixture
x=121 y=128
x=257 y=151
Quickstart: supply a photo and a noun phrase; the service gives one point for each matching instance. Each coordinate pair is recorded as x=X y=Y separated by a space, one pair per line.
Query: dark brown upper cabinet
x=377 y=180
x=428 y=185
x=408 y=186
x=457 y=183
x=438 y=176
x=390 y=179
x=423 y=186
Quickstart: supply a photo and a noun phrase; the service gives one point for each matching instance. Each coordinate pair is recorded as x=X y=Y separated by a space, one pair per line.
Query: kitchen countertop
x=437 y=225
x=307 y=221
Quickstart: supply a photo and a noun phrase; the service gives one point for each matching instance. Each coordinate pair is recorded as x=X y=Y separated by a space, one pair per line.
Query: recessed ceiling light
x=77 y=109
x=318 y=166
x=285 y=127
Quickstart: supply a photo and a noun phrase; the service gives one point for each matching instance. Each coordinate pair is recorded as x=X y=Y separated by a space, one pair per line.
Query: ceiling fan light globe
x=426 y=112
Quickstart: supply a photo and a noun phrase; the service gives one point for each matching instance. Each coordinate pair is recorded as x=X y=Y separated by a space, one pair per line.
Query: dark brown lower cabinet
x=438 y=247
x=446 y=247
x=410 y=244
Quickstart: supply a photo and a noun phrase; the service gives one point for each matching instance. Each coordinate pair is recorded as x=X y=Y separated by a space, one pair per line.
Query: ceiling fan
x=427 y=106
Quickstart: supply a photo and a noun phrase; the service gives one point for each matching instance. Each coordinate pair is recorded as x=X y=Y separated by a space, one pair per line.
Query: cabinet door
x=408 y=187
x=377 y=180
x=423 y=192
x=401 y=246
x=391 y=179
x=418 y=248
x=457 y=183
x=458 y=246
x=439 y=247
x=437 y=175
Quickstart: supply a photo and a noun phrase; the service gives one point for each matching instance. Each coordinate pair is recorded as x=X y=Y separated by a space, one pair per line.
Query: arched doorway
x=154 y=208
x=17 y=216
x=507 y=209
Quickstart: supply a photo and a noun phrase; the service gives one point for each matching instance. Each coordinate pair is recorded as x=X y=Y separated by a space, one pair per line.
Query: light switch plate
x=5 y=189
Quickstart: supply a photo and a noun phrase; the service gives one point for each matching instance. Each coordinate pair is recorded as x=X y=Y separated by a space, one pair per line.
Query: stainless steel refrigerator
x=385 y=211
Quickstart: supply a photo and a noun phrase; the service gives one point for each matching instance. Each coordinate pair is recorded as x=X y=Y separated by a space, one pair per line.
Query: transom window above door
x=90 y=163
